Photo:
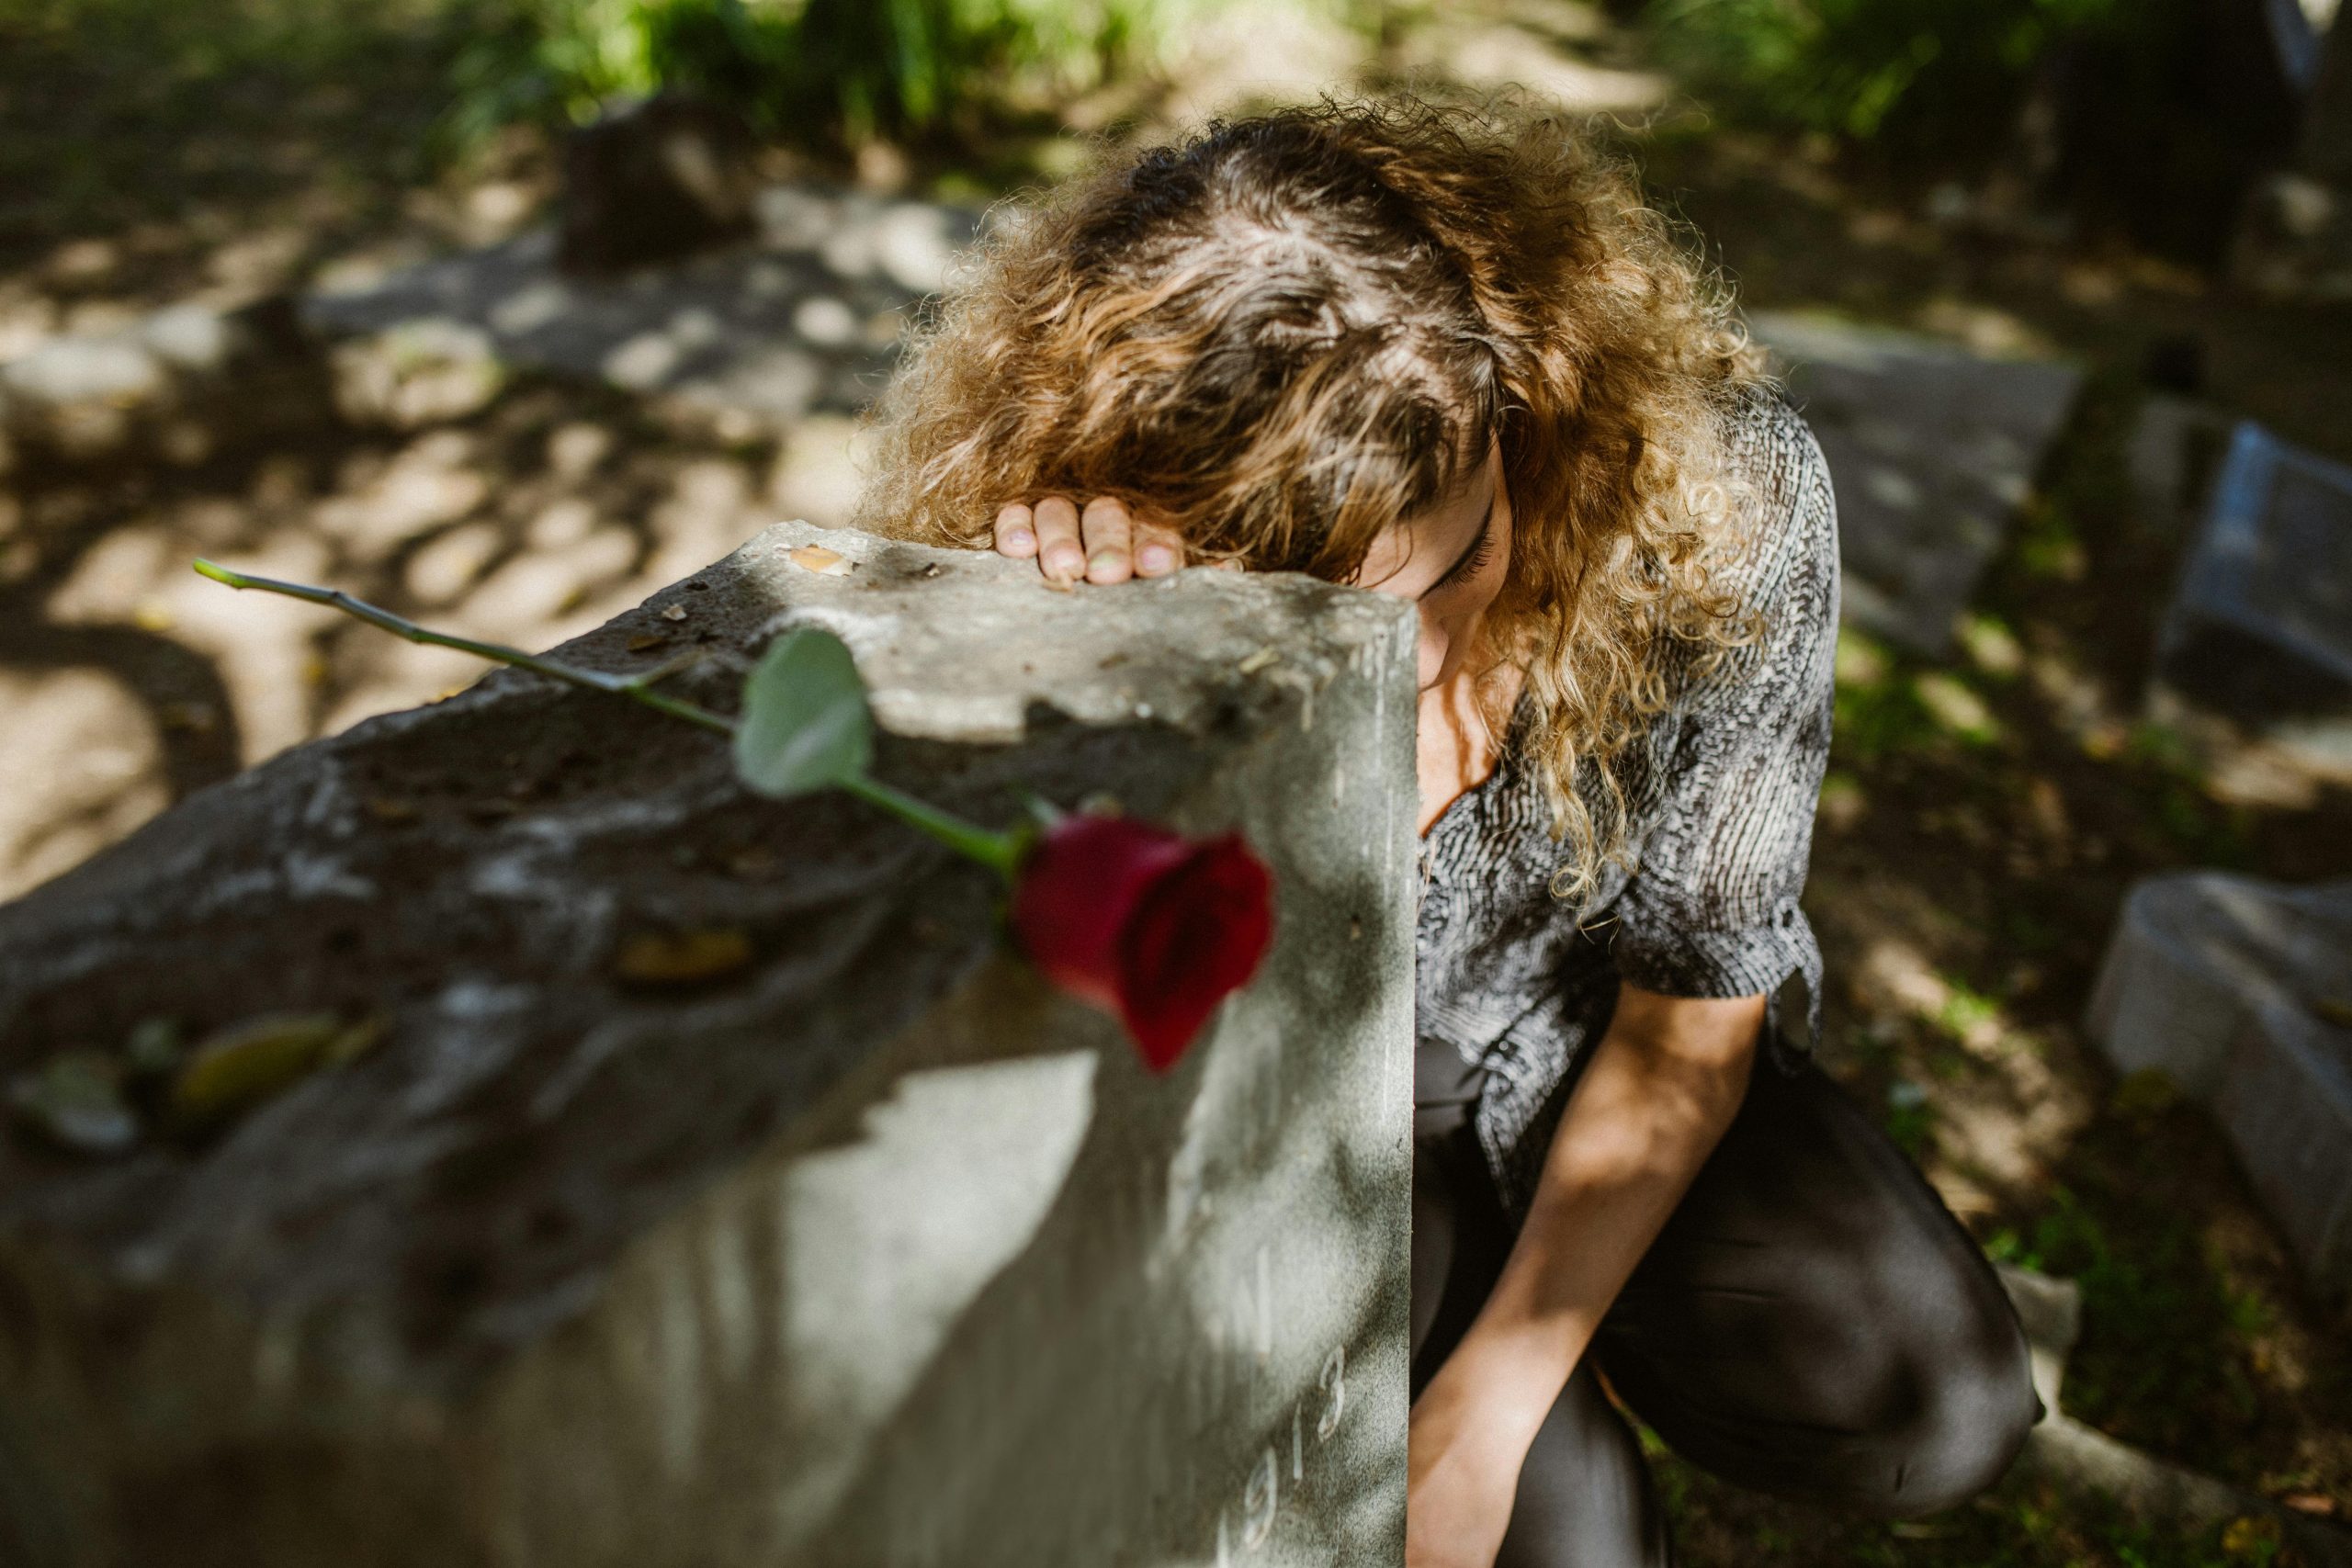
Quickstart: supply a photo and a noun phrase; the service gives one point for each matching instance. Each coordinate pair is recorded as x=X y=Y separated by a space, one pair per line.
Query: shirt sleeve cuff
x=1778 y=959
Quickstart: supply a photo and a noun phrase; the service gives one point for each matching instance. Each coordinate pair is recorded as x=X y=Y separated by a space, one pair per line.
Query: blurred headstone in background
x=2240 y=992
x=654 y=182
x=2163 y=126
x=2260 y=630
x=2295 y=241
x=2176 y=444
x=1931 y=449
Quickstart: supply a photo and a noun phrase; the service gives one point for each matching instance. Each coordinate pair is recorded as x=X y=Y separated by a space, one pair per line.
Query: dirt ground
x=1983 y=818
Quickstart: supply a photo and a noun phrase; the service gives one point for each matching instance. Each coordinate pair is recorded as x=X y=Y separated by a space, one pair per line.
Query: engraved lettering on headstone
x=1258 y=1503
x=1265 y=1306
x=1334 y=1384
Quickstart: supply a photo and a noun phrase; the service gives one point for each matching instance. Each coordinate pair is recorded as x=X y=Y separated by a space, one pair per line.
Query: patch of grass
x=121 y=114
x=1879 y=711
x=2025 y=1522
x=1965 y=1010
x=2164 y=1360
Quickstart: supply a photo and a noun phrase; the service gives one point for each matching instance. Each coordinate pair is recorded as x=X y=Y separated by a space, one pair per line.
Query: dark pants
x=1812 y=1323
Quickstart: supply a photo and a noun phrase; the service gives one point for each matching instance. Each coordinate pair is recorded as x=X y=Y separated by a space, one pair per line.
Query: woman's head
x=1326 y=340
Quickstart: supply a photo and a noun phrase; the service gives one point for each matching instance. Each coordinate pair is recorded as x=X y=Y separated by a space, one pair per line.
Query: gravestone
x=2260 y=626
x=1931 y=450
x=854 y=1245
x=2240 y=991
x=2170 y=459
x=2295 y=240
x=654 y=182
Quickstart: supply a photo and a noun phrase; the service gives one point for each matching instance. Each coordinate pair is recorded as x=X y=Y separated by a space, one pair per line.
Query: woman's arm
x=1662 y=1085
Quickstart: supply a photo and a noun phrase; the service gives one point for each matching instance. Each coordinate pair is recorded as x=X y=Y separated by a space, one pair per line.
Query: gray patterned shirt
x=1721 y=796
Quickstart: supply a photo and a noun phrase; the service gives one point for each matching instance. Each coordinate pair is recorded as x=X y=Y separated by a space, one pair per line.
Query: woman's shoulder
x=1785 y=566
x=1778 y=457
x=1777 y=463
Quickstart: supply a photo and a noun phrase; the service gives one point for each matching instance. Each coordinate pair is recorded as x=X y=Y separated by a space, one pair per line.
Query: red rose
x=1144 y=923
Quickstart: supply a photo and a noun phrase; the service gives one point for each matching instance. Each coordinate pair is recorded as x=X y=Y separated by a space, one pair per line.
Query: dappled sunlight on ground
x=534 y=520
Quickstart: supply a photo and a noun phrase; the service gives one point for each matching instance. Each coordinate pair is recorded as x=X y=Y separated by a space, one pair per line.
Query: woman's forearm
x=1663 y=1083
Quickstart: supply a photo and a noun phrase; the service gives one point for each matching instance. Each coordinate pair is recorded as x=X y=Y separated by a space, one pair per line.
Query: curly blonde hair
x=1286 y=332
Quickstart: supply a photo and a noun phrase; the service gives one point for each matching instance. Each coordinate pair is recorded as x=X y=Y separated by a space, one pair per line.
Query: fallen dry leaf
x=820 y=560
x=675 y=612
x=681 y=958
x=2314 y=1503
x=238 y=1068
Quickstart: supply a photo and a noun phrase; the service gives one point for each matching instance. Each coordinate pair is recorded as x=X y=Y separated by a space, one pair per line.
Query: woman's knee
x=1972 y=1408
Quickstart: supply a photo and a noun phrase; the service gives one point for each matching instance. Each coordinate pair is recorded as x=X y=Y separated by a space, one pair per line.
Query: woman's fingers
x=1109 y=534
x=1157 y=551
x=1016 y=532
x=1104 y=544
x=1058 y=552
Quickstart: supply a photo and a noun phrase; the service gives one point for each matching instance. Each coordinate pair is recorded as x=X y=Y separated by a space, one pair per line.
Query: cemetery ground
x=1983 y=815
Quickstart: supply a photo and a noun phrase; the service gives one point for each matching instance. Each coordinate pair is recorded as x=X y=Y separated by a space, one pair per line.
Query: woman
x=1450 y=356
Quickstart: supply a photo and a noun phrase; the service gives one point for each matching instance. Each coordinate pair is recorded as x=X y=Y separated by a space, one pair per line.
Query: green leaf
x=805 y=724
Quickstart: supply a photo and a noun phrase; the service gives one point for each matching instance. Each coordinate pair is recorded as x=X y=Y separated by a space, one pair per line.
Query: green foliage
x=824 y=72
x=1925 y=75
x=2162 y=1360
x=806 y=724
x=2028 y=1521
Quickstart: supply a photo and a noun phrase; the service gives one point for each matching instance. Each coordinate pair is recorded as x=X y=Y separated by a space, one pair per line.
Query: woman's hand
x=1462 y=1474
x=1104 y=544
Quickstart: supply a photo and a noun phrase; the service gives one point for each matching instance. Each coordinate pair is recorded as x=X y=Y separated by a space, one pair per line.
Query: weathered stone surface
x=2240 y=992
x=806 y=317
x=2260 y=630
x=870 y=1250
x=1931 y=449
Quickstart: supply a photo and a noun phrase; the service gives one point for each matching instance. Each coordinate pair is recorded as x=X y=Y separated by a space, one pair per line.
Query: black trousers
x=1812 y=1323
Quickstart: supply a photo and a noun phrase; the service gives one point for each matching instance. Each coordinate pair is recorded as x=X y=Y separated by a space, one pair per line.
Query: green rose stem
x=999 y=852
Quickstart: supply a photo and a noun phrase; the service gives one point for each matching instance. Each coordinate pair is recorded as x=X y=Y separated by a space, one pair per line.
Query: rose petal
x=1197 y=936
x=1076 y=890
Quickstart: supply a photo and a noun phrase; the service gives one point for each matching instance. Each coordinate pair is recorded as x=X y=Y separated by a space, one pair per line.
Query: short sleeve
x=1712 y=908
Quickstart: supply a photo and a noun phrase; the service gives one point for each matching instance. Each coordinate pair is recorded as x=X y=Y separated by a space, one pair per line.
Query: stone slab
x=807 y=316
x=2260 y=626
x=2240 y=992
x=872 y=1251
x=1931 y=450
